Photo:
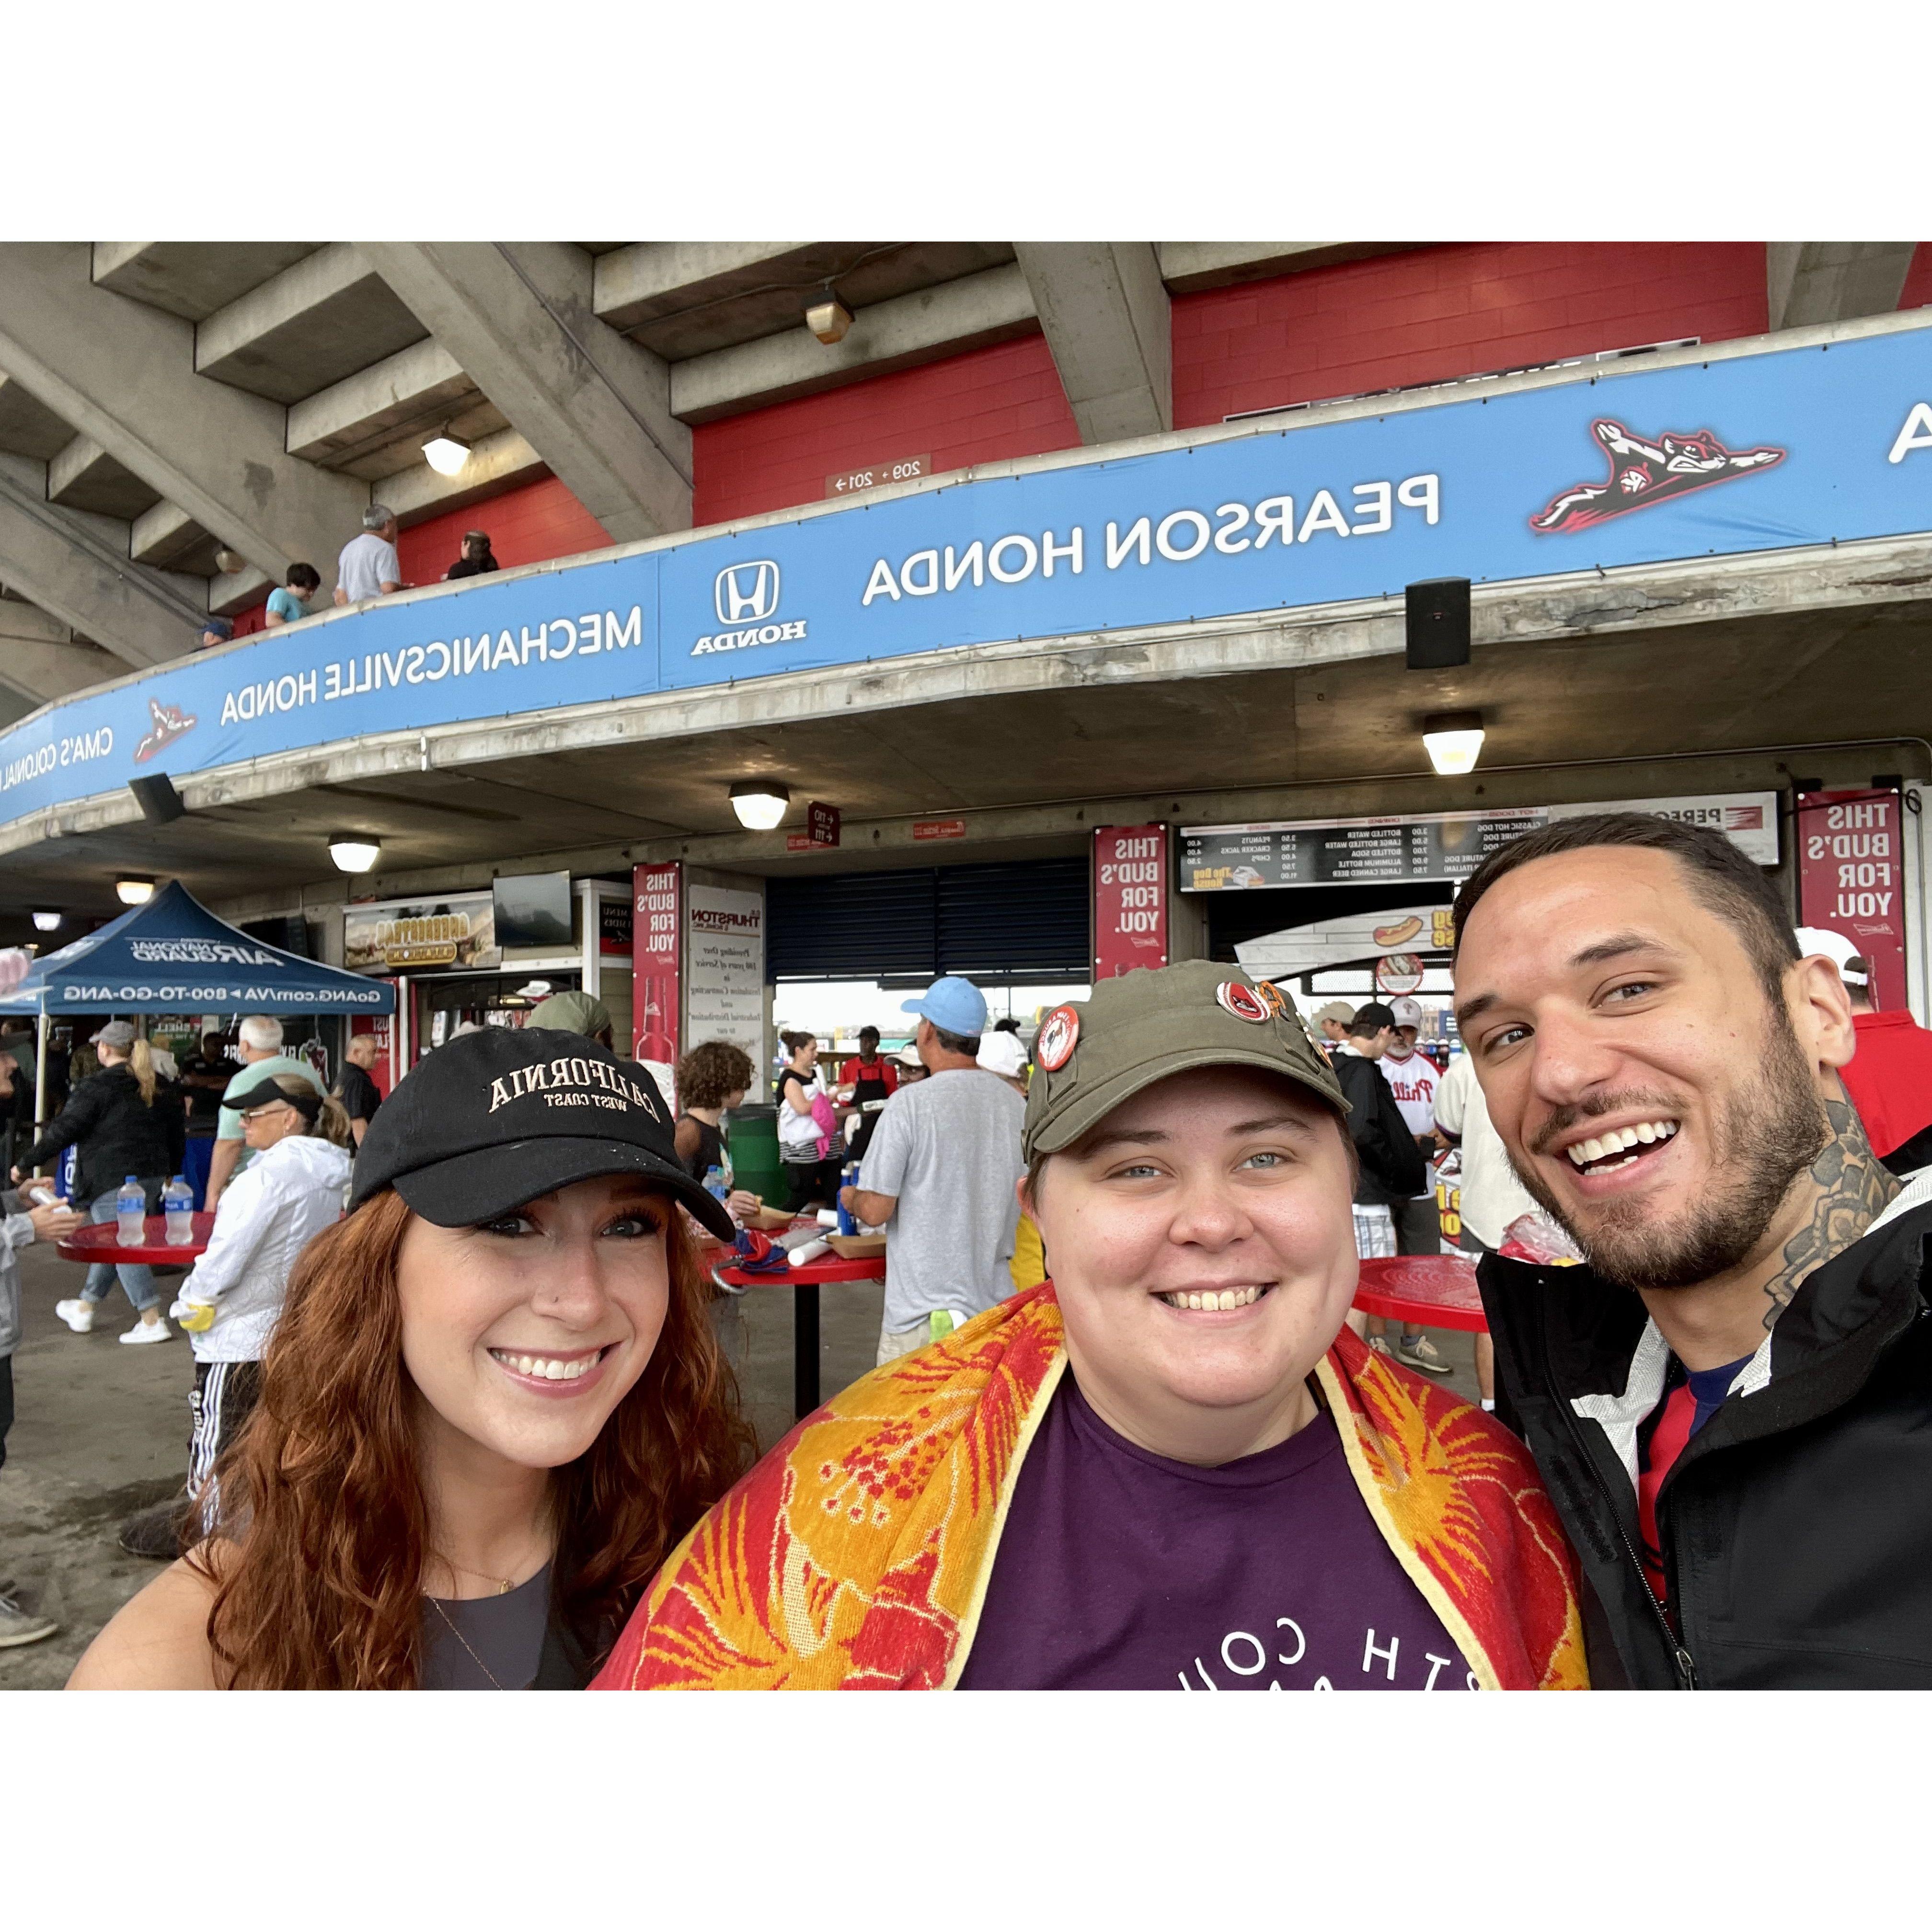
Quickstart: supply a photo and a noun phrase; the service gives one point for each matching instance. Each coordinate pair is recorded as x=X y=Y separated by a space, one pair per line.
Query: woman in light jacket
x=293 y=1188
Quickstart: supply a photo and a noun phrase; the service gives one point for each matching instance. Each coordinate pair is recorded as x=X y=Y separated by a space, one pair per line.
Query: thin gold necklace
x=466 y=1643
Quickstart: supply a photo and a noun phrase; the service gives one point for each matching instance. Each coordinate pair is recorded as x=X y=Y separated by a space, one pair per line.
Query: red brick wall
x=983 y=406
x=254 y=617
x=530 y=523
x=1431 y=314
x=1917 y=291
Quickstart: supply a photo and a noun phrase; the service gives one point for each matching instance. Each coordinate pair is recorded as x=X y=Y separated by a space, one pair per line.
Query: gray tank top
x=504 y=1637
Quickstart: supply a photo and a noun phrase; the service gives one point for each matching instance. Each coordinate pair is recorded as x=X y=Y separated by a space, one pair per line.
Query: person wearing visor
x=492 y=1403
x=292 y=1188
x=1171 y=1466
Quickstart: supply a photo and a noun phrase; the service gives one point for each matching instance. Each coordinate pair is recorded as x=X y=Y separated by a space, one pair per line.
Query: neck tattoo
x=1852 y=1190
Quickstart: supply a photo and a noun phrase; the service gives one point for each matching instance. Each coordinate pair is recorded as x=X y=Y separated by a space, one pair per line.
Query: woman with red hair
x=493 y=1403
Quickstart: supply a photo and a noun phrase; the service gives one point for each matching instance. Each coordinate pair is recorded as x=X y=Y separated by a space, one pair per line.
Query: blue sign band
x=1754 y=452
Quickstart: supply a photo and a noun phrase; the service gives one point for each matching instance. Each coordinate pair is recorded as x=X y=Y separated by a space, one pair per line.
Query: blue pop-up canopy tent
x=172 y=955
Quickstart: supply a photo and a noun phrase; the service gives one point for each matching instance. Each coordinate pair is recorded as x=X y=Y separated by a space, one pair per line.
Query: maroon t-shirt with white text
x=1119 y=1570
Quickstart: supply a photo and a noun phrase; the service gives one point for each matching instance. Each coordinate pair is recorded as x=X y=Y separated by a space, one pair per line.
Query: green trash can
x=755 y=1163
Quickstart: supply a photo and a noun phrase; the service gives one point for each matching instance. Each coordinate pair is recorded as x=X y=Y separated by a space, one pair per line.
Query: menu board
x=1350 y=851
x=1426 y=847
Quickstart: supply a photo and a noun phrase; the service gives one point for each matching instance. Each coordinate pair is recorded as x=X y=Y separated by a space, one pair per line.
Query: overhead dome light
x=46 y=919
x=445 y=453
x=352 y=853
x=1453 y=739
x=131 y=892
x=760 y=804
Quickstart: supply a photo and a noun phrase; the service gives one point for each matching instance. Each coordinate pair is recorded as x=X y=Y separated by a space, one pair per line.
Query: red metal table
x=804 y=1283
x=1422 y=1292
x=101 y=1242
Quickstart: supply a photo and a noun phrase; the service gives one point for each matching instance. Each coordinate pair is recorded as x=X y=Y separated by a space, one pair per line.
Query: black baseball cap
x=308 y=1102
x=495 y=1118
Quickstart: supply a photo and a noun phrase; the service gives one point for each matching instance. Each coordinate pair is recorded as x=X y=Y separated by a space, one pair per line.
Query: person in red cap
x=1889 y=1079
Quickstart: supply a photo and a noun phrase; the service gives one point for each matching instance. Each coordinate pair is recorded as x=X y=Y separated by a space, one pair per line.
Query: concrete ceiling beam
x=518 y=317
x=76 y=567
x=1109 y=323
x=995 y=305
x=27 y=427
x=496 y=462
x=83 y=476
x=167 y=537
x=416 y=389
x=123 y=374
x=1808 y=282
x=327 y=316
x=649 y=280
x=40 y=658
x=1187 y=267
x=191 y=279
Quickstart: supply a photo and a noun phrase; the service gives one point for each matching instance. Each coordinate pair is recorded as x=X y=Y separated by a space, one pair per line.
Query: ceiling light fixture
x=1452 y=740
x=760 y=804
x=828 y=318
x=46 y=919
x=445 y=453
x=134 y=891
x=354 y=852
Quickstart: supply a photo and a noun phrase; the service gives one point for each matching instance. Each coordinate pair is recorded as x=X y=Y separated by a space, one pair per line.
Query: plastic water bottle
x=178 y=1204
x=130 y=1211
x=849 y=1178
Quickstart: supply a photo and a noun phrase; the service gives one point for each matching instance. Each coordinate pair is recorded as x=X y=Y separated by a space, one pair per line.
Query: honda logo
x=747 y=593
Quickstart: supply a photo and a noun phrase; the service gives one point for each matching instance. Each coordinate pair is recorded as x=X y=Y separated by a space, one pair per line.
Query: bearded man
x=1731 y=1404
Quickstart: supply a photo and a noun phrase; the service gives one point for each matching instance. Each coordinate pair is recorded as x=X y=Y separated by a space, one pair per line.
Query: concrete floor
x=101 y=1430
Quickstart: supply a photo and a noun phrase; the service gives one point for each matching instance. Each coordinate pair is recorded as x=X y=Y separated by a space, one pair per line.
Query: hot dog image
x=1399 y=935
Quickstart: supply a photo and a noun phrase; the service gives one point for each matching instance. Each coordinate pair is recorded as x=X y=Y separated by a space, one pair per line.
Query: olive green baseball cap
x=1091 y=1055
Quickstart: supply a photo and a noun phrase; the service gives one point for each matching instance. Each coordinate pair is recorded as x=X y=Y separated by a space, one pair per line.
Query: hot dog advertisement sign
x=1395 y=939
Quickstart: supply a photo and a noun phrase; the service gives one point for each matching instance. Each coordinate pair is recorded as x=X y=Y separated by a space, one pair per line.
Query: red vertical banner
x=657 y=926
x=384 y=1072
x=1851 y=879
x=1129 y=898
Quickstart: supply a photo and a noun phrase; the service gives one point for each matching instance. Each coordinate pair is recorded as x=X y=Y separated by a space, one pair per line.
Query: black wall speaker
x=159 y=802
x=1438 y=613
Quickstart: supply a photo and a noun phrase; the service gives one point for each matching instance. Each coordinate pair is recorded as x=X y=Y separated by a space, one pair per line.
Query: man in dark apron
x=873 y=1081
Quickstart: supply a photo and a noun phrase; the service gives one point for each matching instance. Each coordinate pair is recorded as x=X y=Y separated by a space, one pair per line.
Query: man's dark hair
x=1722 y=879
x=304 y=577
x=711 y=1071
x=956 y=1042
x=1369 y=1020
x=1009 y=1025
x=866 y=1033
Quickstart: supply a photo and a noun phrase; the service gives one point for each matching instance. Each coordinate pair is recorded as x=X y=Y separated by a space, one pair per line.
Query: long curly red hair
x=318 y=1554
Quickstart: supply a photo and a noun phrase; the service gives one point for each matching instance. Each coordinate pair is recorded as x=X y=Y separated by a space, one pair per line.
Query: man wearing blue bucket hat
x=939 y=1174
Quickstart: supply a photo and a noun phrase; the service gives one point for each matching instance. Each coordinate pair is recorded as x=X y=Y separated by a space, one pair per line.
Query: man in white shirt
x=1411 y=1077
x=1490 y=1195
x=262 y=1058
x=939 y=1177
x=369 y=566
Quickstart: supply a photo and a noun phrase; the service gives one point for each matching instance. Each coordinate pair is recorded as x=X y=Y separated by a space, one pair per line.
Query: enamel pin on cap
x=1059 y=1034
x=1238 y=997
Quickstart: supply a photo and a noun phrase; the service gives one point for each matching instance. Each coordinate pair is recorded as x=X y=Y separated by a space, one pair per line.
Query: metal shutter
x=851 y=925
x=1016 y=921
x=1012 y=921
